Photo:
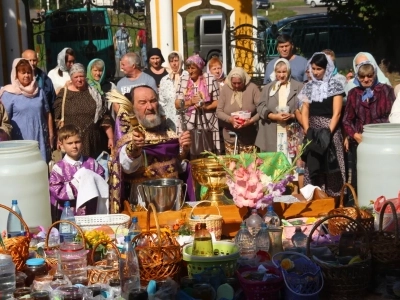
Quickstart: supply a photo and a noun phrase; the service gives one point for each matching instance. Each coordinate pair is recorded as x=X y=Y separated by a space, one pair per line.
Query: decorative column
x=162 y=26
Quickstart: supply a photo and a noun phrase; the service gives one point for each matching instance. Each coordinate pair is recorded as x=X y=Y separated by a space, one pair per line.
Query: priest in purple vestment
x=147 y=151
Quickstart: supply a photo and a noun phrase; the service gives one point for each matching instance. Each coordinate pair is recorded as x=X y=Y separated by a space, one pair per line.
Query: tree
x=382 y=20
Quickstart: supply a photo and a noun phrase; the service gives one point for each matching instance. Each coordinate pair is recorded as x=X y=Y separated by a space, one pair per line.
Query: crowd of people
x=183 y=107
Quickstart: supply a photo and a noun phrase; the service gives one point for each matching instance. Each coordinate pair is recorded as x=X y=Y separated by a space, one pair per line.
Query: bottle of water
x=262 y=239
x=202 y=243
x=129 y=272
x=14 y=225
x=7 y=277
x=245 y=242
x=135 y=229
x=271 y=218
x=299 y=239
x=254 y=222
x=67 y=231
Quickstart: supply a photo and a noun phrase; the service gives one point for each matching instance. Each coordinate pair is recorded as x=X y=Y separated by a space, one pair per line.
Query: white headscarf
x=61 y=60
x=318 y=90
x=381 y=77
x=237 y=96
x=277 y=85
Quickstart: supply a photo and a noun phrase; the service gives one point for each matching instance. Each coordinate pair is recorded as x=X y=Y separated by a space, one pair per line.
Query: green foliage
x=380 y=18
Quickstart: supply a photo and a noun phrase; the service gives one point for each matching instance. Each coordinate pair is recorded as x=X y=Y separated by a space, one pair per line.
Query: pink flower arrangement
x=247 y=183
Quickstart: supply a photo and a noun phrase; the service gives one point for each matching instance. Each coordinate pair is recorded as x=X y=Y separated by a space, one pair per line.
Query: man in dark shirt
x=43 y=81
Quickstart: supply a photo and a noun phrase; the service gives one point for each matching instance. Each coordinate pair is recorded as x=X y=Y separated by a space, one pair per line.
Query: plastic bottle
x=134 y=229
x=202 y=244
x=14 y=225
x=271 y=218
x=7 y=275
x=299 y=239
x=245 y=242
x=254 y=222
x=67 y=231
x=128 y=269
x=262 y=239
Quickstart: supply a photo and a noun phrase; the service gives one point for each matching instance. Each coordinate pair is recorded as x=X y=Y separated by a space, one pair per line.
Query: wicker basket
x=17 y=247
x=386 y=245
x=90 y=222
x=338 y=225
x=345 y=281
x=260 y=290
x=213 y=222
x=101 y=273
x=161 y=257
x=52 y=262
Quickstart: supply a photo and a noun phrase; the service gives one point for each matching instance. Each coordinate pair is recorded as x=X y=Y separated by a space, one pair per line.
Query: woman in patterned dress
x=322 y=99
x=168 y=87
x=85 y=108
x=198 y=91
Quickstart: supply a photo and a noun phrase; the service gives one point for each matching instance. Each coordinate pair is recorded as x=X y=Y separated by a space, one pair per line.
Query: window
x=212 y=26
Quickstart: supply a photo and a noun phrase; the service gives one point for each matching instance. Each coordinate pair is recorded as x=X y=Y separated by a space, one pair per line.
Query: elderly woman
x=155 y=69
x=214 y=67
x=96 y=79
x=359 y=58
x=27 y=108
x=60 y=74
x=84 y=107
x=238 y=94
x=322 y=99
x=370 y=102
x=168 y=87
x=198 y=92
x=277 y=107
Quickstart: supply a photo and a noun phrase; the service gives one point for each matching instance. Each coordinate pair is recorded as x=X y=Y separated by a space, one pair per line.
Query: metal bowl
x=164 y=193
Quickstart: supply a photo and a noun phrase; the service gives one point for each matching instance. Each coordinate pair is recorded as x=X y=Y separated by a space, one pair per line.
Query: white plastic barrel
x=378 y=162
x=24 y=177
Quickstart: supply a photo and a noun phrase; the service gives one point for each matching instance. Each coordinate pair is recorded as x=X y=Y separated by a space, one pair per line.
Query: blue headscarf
x=368 y=92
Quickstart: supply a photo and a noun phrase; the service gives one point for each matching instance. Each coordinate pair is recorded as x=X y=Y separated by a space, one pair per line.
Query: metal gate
x=247 y=50
x=88 y=29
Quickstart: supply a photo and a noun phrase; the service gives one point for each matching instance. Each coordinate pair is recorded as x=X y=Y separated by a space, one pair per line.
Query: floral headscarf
x=277 y=85
x=93 y=82
x=318 y=90
x=237 y=96
x=16 y=87
x=61 y=60
x=197 y=60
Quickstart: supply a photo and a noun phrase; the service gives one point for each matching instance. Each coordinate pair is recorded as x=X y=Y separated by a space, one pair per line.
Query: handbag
x=201 y=136
x=60 y=123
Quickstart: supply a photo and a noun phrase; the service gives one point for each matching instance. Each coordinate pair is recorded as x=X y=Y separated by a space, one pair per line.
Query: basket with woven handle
x=344 y=281
x=158 y=252
x=213 y=222
x=385 y=245
x=17 y=247
x=338 y=225
x=101 y=272
x=51 y=261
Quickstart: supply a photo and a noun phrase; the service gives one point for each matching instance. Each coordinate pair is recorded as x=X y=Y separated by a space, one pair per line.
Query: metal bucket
x=164 y=193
